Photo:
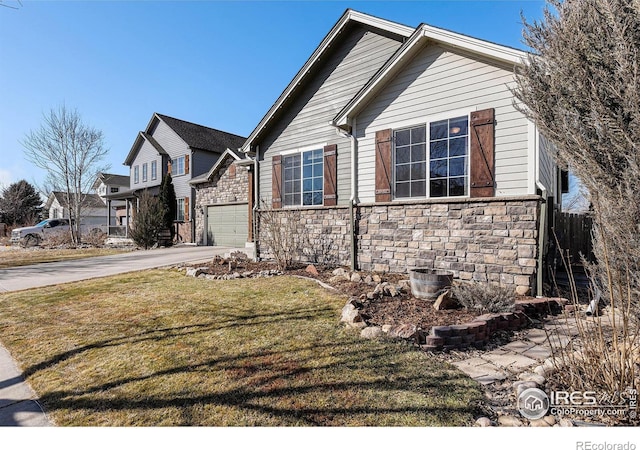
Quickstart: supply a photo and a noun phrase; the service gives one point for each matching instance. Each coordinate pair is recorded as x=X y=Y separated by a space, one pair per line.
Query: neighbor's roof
x=201 y=137
x=110 y=178
x=90 y=200
x=197 y=137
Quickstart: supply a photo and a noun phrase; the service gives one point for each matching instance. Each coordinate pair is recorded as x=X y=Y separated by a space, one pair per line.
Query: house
x=185 y=149
x=401 y=147
x=94 y=210
x=107 y=183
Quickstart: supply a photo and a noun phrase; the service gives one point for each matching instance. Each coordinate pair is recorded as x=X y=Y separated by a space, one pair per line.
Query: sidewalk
x=18 y=403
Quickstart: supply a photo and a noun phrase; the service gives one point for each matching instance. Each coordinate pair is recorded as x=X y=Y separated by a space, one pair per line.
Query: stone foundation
x=488 y=240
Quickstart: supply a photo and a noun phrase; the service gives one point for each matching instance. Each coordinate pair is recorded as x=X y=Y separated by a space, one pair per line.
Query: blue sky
x=219 y=64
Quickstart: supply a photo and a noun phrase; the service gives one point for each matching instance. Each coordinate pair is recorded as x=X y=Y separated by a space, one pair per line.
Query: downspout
x=542 y=226
x=256 y=203
x=353 y=198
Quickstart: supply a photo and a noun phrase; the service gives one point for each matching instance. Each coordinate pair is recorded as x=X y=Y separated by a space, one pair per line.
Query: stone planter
x=428 y=284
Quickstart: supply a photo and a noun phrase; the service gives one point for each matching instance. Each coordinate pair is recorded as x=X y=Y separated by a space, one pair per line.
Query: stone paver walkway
x=533 y=349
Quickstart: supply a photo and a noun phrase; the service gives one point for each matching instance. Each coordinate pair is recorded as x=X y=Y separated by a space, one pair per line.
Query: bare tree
x=71 y=153
x=581 y=86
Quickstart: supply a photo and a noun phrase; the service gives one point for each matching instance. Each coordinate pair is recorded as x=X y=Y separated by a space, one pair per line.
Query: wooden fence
x=573 y=233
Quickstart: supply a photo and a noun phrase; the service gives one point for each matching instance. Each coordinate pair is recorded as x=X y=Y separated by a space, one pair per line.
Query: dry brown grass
x=25 y=256
x=158 y=348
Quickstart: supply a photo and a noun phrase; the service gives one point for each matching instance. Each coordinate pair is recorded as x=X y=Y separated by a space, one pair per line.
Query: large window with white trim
x=431 y=160
x=302 y=175
x=177 y=166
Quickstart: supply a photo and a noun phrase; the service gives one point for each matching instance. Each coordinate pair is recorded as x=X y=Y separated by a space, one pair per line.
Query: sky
x=221 y=64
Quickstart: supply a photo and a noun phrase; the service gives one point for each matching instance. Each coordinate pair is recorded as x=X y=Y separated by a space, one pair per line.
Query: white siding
x=437 y=81
x=359 y=54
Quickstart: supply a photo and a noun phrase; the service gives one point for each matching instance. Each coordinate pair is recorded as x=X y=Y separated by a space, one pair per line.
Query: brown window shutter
x=330 y=175
x=186 y=209
x=186 y=164
x=276 y=182
x=482 y=176
x=383 y=165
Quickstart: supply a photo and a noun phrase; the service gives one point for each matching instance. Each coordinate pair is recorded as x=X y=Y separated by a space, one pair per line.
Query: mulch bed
x=402 y=309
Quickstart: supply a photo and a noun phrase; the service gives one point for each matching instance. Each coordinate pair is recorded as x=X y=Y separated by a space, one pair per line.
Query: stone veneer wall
x=483 y=240
x=492 y=240
x=229 y=185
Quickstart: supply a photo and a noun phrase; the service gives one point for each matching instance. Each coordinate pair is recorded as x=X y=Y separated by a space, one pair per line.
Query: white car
x=32 y=236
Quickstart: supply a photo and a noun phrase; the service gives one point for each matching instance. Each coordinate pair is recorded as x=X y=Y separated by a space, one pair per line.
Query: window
x=303 y=178
x=154 y=170
x=136 y=174
x=446 y=157
x=177 y=166
x=114 y=190
x=448 y=150
x=411 y=162
x=180 y=210
x=144 y=172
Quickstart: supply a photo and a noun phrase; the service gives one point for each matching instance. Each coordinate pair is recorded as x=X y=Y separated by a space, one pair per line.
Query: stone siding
x=229 y=185
x=489 y=240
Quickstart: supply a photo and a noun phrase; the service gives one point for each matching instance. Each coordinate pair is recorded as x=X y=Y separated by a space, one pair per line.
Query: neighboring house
x=223 y=212
x=94 y=210
x=107 y=183
x=184 y=148
x=402 y=148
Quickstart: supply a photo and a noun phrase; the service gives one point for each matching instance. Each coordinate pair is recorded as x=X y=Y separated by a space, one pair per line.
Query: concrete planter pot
x=428 y=284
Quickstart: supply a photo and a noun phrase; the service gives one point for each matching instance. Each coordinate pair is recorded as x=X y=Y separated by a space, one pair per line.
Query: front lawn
x=17 y=256
x=159 y=348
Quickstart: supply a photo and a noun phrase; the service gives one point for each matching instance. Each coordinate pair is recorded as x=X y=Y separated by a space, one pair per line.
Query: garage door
x=227 y=225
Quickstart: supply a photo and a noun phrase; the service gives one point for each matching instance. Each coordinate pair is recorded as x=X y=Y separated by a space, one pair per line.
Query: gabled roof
x=197 y=137
x=349 y=17
x=426 y=33
x=109 y=178
x=206 y=177
x=203 y=138
x=90 y=200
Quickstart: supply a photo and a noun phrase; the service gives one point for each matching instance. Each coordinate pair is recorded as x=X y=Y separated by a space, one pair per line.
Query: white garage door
x=227 y=225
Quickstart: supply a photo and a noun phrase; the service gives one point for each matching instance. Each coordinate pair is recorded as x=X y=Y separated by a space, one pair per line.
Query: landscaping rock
x=376 y=278
x=311 y=269
x=534 y=377
x=404 y=331
x=483 y=422
x=356 y=277
x=390 y=290
x=194 y=271
x=386 y=328
x=509 y=421
x=339 y=272
x=350 y=313
x=550 y=420
x=368 y=279
x=371 y=333
x=338 y=278
x=538 y=423
x=564 y=422
x=445 y=301
x=521 y=386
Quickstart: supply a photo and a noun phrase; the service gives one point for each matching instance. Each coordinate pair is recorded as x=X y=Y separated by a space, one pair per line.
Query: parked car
x=32 y=236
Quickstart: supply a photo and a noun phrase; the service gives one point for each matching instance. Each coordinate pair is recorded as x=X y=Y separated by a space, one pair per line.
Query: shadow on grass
x=288 y=387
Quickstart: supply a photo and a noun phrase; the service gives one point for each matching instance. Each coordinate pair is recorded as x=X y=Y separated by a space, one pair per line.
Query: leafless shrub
x=484 y=297
x=95 y=238
x=57 y=240
x=582 y=89
x=282 y=234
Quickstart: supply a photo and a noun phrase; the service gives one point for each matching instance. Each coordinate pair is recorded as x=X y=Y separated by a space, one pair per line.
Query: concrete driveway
x=47 y=274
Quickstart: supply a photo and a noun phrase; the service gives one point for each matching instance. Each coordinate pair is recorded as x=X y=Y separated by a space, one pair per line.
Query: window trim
x=174 y=165
x=407 y=124
x=154 y=170
x=136 y=174
x=145 y=172
x=180 y=210
x=300 y=151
